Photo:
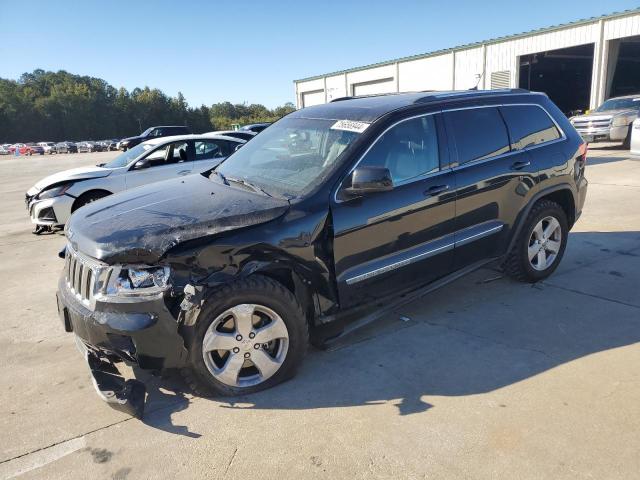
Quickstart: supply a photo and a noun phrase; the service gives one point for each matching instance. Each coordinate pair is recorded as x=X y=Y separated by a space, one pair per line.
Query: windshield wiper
x=242 y=181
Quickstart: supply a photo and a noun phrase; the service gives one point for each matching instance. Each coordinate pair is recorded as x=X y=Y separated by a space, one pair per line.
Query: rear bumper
x=583 y=186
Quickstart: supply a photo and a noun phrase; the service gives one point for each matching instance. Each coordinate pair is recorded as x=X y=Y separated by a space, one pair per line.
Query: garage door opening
x=564 y=75
x=623 y=67
x=373 y=87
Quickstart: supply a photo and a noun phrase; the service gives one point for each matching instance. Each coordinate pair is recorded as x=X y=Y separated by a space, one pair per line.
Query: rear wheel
x=540 y=245
x=250 y=335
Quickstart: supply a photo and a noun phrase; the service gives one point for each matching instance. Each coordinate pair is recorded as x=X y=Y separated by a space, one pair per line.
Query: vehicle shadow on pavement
x=479 y=334
x=165 y=396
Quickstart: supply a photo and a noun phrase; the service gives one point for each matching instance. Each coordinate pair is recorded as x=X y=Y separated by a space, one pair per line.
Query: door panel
x=492 y=182
x=391 y=241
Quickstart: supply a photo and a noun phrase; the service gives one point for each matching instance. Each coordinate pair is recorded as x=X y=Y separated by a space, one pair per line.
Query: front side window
x=480 y=133
x=175 y=152
x=408 y=150
x=529 y=125
x=291 y=157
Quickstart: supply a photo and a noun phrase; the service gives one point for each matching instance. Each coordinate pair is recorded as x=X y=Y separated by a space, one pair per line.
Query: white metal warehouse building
x=579 y=65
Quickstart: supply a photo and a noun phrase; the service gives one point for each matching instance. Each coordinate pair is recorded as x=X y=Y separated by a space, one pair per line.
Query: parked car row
x=245 y=132
x=224 y=270
x=51 y=148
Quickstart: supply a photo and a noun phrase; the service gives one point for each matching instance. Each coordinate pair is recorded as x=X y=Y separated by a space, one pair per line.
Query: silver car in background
x=52 y=200
x=610 y=122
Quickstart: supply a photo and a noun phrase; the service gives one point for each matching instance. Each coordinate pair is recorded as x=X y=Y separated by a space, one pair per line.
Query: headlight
x=134 y=280
x=55 y=191
x=621 y=121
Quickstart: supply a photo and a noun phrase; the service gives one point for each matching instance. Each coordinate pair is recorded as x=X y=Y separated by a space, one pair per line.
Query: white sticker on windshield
x=350 y=126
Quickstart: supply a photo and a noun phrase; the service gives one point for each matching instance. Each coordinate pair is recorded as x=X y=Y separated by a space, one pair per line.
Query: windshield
x=125 y=158
x=291 y=157
x=619 y=104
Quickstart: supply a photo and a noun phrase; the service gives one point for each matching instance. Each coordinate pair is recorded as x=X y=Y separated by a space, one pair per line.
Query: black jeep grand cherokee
x=228 y=274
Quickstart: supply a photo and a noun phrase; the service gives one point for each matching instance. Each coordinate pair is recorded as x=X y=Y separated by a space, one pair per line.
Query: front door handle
x=436 y=190
x=184 y=172
x=520 y=165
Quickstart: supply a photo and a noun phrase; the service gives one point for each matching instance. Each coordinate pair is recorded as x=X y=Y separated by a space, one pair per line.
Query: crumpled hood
x=142 y=224
x=82 y=173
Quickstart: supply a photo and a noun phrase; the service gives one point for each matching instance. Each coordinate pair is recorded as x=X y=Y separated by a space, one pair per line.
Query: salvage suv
x=610 y=122
x=325 y=216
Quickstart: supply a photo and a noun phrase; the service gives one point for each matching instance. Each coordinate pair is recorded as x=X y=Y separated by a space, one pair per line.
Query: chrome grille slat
x=81 y=275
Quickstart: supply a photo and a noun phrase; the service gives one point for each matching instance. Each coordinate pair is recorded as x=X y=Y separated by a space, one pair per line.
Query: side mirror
x=141 y=164
x=365 y=180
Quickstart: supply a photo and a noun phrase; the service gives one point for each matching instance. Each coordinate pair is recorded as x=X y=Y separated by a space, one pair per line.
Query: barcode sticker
x=350 y=126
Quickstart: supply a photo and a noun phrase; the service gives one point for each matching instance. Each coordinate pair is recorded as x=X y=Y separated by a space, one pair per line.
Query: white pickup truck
x=610 y=122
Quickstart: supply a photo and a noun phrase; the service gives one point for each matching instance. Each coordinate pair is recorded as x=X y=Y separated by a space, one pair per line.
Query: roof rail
x=340 y=99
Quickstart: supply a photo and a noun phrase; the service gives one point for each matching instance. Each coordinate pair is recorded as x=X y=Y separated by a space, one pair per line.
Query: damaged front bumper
x=50 y=212
x=140 y=332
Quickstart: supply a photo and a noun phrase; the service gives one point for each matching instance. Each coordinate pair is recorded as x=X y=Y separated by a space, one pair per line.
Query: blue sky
x=251 y=50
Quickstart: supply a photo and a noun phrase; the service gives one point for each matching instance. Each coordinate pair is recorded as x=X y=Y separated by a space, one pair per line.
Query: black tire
x=255 y=289
x=627 y=140
x=88 y=197
x=517 y=264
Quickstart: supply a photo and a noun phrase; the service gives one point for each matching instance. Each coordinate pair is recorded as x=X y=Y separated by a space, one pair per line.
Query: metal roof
x=467 y=46
x=371 y=107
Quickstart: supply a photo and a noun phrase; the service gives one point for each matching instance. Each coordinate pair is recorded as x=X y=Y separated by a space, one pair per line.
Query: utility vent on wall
x=500 y=79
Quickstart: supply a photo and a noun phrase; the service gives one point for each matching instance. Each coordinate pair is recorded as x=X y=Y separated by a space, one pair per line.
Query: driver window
x=171 y=153
x=408 y=150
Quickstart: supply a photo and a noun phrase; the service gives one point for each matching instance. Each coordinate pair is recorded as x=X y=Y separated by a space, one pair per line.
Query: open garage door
x=385 y=85
x=623 y=67
x=564 y=75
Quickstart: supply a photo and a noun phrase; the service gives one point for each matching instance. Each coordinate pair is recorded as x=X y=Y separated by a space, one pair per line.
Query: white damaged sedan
x=52 y=200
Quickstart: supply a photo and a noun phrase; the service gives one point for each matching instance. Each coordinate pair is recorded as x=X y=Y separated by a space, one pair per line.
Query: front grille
x=83 y=276
x=587 y=124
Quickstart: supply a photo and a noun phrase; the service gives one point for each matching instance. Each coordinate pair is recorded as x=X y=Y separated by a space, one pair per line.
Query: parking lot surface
x=486 y=378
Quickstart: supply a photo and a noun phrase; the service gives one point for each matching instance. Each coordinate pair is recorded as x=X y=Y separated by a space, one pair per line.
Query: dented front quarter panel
x=298 y=242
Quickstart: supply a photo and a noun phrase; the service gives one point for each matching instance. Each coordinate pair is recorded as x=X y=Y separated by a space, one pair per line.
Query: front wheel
x=250 y=335
x=540 y=245
x=87 y=198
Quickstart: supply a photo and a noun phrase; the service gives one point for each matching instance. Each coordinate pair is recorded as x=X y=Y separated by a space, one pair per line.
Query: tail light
x=582 y=152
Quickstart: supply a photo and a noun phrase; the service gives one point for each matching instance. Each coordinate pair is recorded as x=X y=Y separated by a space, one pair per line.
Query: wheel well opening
x=564 y=198
x=292 y=282
x=78 y=202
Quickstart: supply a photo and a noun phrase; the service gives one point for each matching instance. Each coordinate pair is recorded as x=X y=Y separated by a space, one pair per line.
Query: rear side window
x=480 y=133
x=529 y=125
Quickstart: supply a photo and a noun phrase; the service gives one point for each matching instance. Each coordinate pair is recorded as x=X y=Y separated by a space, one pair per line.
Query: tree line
x=56 y=106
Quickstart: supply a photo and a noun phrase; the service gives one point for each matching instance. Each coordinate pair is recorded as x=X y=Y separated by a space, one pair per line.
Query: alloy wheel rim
x=245 y=345
x=544 y=243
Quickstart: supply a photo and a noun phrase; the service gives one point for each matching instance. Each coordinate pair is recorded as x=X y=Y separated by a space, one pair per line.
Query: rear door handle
x=520 y=165
x=436 y=190
x=184 y=172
